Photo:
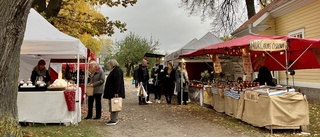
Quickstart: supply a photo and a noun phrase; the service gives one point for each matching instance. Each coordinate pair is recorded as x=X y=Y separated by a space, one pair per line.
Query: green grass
x=84 y=129
x=314 y=115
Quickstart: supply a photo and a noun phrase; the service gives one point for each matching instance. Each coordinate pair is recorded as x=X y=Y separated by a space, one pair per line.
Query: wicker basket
x=89 y=90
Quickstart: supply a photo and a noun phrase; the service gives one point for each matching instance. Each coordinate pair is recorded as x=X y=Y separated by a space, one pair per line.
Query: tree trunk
x=39 y=5
x=50 y=10
x=13 y=15
x=250 y=8
x=53 y=8
x=127 y=70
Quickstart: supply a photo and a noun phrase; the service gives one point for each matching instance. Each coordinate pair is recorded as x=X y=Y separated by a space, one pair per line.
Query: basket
x=89 y=91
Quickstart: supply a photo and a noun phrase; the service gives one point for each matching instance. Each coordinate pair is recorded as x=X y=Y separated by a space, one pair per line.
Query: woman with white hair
x=114 y=87
x=97 y=78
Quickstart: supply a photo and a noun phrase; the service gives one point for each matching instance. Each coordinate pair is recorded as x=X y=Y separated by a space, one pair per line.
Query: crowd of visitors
x=165 y=81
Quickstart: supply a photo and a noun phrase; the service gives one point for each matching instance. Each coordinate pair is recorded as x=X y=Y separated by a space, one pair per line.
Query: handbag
x=89 y=91
x=116 y=104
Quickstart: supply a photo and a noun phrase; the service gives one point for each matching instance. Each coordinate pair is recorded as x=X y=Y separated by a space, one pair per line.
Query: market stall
x=196 y=94
x=44 y=41
x=271 y=107
x=46 y=107
x=288 y=110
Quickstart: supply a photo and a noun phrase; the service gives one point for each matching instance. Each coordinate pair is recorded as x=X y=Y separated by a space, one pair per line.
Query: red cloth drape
x=53 y=75
x=70 y=99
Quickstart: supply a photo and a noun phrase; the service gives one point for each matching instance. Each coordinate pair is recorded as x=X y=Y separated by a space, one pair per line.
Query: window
x=297 y=33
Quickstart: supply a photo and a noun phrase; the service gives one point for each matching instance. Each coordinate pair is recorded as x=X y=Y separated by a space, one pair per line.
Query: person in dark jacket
x=169 y=82
x=158 y=80
x=97 y=78
x=114 y=87
x=40 y=73
x=264 y=77
x=143 y=79
x=135 y=76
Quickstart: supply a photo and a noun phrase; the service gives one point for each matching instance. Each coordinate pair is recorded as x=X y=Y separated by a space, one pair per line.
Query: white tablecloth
x=196 y=95
x=47 y=107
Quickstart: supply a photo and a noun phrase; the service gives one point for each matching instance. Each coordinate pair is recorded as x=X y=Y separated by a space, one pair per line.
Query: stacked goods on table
x=58 y=85
x=235 y=85
x=197 y=84
x=249 y=85
x=28 y=86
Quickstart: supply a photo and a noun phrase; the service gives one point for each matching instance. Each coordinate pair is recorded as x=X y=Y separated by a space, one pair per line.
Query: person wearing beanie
x=40 y=73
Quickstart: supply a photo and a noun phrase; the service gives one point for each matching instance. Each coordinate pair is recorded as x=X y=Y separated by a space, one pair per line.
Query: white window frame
x=297 y=32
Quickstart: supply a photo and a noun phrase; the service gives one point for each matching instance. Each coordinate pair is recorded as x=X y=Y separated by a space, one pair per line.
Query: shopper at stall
x=264 y=77
x=114 y=87
x=97 y=78
x=135 y=75
x=158 y=80
x=40 y=73
x=143 y=79
x=169 y=82
x=182 y=82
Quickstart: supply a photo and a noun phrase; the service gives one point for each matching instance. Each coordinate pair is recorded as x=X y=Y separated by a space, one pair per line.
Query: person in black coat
x=135 y=75
x=143 y=79
x=264 y=77
x=169 y=82
x=114 y=87
x=158 y=80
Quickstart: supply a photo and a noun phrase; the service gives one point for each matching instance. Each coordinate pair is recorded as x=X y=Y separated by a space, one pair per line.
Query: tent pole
x=277 y=60
x=85 y=80
x=287 y=78
x=77 y=91
x=181 y=83
x=301 y=55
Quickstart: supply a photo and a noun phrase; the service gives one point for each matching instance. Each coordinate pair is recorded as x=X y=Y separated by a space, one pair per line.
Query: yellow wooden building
x=298 y=18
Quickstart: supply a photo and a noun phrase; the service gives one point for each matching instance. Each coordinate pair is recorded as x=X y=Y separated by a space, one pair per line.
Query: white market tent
x=194 y=44
x=181 y=51
x=44 y=41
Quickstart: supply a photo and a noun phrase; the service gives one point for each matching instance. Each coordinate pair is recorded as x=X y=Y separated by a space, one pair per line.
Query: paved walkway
x=160 y=120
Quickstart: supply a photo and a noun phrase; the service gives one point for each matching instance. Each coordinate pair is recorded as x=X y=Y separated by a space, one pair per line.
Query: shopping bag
x=141 y=92
x=116 y=104
x=89 y=91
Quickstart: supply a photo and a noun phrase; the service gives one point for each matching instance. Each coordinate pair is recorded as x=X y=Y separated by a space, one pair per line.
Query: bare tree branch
x=224 y=14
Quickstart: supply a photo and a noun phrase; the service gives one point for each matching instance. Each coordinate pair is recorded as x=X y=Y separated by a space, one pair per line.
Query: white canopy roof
x=43 y=38
x=206 y=40
x=44 y=41
x=177 y=53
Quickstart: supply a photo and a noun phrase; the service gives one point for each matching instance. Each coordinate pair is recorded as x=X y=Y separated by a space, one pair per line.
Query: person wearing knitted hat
x=40 y=73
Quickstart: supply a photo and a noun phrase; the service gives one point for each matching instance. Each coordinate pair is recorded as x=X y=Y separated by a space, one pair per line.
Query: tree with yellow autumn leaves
x=82 y=19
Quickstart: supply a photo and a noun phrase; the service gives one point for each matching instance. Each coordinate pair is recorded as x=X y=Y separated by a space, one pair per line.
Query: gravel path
x=159 y=120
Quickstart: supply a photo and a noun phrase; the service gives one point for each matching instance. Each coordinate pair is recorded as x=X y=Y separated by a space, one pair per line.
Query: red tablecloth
x=70 y=99
x=196 y=86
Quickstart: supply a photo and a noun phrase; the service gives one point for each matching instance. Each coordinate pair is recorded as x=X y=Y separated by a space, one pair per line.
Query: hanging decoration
x=246 y=59
x=216 y=63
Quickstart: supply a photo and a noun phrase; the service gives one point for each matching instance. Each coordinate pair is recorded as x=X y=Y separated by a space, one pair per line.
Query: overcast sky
x=164 y=20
